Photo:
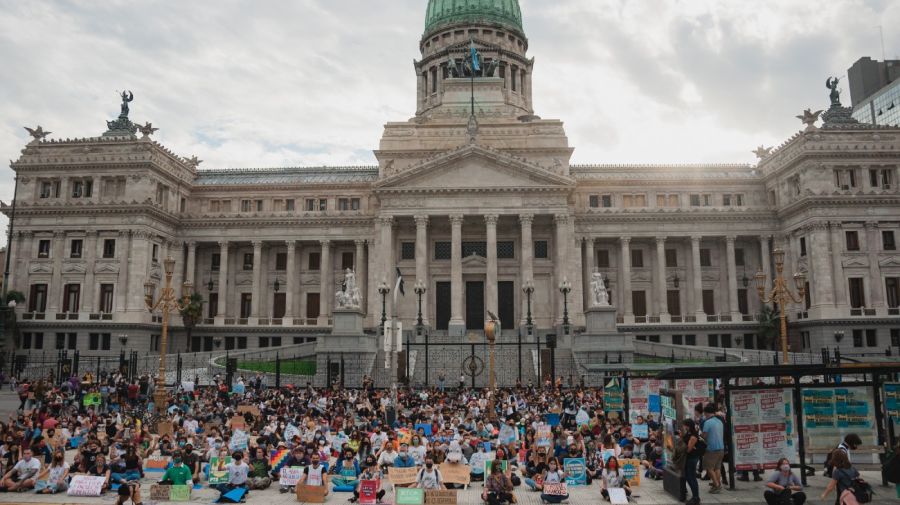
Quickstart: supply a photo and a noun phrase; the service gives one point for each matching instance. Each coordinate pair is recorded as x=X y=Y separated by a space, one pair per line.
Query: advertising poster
x=761 y=428
x=831 y=413
x=694 y=391
x=639 y=393
x=892 y=402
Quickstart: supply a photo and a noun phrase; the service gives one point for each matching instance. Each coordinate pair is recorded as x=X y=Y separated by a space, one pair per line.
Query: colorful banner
x=831 y=413
x=892 y=402
x=631 y=470
x=762 y=428
x=613 y=396
x=218 y=471
x=640 y=392
x=576 y=471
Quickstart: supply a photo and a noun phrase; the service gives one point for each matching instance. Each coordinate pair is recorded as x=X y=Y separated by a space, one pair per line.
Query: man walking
x=713 y=432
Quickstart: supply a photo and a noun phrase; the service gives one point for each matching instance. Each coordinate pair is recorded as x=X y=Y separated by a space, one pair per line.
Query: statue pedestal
x=347 y=352
x=601 y=342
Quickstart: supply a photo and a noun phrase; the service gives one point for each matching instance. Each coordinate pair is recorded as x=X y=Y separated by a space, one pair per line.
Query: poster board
x=455 y=473
x=310 y=494
x=85 y=485
x=368 y=491
x=639 y=393
x=543 y=436
x=237 y=422
x=556 y=489
x=671 y=410
x=160 y=492
x=240 y=440
x=180 y=493
x=218 y=470
x=289 y=476
x=631 y=470
x=402 y=476
x=409 y=496
x=892 y=403
x=762 y=428
x=252 y=409
x=576 y=471
x=156 y=463
x=617 y=496
x=613 y=396
x=641 y=431
x=441 y=497
x=164 y=428
x=831 y=413
x=694 y=391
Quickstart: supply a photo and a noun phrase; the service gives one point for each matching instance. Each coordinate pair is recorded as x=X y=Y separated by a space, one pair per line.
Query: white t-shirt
x=429 y=480
x=418 y=454
x=56 y=472
x=27 y=469
x=237 y=472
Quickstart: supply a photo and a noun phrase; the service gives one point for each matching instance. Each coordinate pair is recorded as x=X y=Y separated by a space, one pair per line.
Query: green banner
x=92 y=399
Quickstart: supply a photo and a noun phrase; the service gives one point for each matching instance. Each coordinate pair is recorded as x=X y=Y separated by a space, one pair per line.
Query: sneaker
x=715 y=490
x=283 y=490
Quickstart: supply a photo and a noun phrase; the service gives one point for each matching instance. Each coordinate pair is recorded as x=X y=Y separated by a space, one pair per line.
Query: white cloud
x=310 y=82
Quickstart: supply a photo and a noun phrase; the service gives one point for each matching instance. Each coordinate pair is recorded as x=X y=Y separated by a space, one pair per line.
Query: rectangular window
x=602 y=258
x=280 y=262
x=474 y=249
x=75 y=248
x=733 y=200
x=312 y=305
x=182 y=206
x=895 y=337
x=246 y=305
x=43 y=249
x=346 y=261
x=690 y=340
x=673 y=301
x=892 y=290
x=442 y=250
x=263 y=341
x=857 y=293
x=46 y=189
x=229 y=343
x=594 y=201
x=802 y=247
x=279 y=304
x=109 y=248
x=541 y=251
x=887 y=240
x=155 y=254
x=671 y=258
x=77 y=189
x=37 y=299
x=739 y=257
x=314 y=261
x=678 y=339
x=407 y=250
x=709 y=301
x=259 y=205
x=343 y=204
x=246 y=205
x=506 y=250
x=25 y=342
x=242 y=342
x=71 y=296
x=323 y=205
x=311 y=205
x=712 y=340
x=248 y=261
x=726 y=340
x=289 y=204
x=60 y=341
x=276 y=341
x=857 y=338
x=606 y=201
x=743 y=306
x=871 y=338
x=631 y=201
x=637 y=258
x=93 y=341
x=701 y=200
x=639 y=303
x=852 y=240
x=72 y=341
x=213 y=304
x=705 y=258
x=515 y=77
x=106 y=298
x=215 y=261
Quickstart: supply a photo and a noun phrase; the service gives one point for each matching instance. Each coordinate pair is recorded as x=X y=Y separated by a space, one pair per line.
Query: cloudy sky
x=311 y=82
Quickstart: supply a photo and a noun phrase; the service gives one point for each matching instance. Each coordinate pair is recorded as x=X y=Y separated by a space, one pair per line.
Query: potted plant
x=768 y=329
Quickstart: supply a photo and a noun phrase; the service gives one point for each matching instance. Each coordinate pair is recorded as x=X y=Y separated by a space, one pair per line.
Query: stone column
x=90 y=257
x=820 y=264
x=223 y=280
x=386 y=248
x=457 y=321
x=764 y=263
x=23 y=256
x=490 y=298
x=190 y=271
x=422 y=261
x=589 y=254
x=526 y=261
x=697 y=279
x=839 y=284
x=57 y=251
x=325 y=285
x=876 y=282
x=138 y=270
x=123 y=247
x=661 y=279
x=15 y=251
x=625 y=263
x=256 y=292
x=733 y=306
x=176 y=251
x=561 y=263
x=290 y=281
x=360 y=270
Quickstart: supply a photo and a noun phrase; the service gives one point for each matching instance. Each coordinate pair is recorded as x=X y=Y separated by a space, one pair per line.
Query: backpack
x=699 y=448
x=861 y=490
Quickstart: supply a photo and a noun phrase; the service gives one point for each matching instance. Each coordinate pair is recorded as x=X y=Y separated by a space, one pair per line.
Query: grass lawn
x=290 y=367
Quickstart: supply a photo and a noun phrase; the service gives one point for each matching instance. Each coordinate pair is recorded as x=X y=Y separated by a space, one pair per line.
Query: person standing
x=842 y=477
x=714 y=434
x=694 y=447
x=850 y=443
x=783 y=483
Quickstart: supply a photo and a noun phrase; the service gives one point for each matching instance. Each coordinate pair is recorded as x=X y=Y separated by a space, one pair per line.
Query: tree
x=191 y=311
x=767 y=331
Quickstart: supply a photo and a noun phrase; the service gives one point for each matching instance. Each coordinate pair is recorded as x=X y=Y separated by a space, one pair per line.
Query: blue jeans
x=690 y=476
x=126 y=476
x=553 y=498
x=530 y=483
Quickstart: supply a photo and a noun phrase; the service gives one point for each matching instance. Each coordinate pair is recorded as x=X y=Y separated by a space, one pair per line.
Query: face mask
x=785 y=468
x=177 y=461
x=429 y=465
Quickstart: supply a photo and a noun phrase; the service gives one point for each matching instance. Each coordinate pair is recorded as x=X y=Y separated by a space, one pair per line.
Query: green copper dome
x=447 y=12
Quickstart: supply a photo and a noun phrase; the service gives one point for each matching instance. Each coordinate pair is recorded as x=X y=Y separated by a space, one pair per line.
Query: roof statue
x=835 y=95
x=809 y=118
x=837 y=115
x=762 y=152
x=147 y=129
x=122 y=126
x=193 y=161
x=38 y=133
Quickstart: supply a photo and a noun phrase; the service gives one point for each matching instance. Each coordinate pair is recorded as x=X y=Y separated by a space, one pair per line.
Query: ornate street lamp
x=676 y=280
x=276 y=286
x=781 y=295
x=166 y=303
x=420 y=290
x=491 y=330
x=565 y=287
x=529 y=290
x=384 y=290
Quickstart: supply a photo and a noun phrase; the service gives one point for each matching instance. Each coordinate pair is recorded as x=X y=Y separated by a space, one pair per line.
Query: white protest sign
x=86 y=485
x=239 y=441
x=289 y=476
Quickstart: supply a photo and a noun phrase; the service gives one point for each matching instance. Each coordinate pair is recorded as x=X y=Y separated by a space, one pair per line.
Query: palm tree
x=767 y=331
x=191 y=311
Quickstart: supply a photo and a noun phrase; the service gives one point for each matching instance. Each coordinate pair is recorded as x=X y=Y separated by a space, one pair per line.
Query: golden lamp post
x=491 y=330
x=166 y=303
x=781 y=294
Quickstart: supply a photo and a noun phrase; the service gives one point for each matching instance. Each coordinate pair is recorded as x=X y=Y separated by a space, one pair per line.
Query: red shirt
x=133 y=390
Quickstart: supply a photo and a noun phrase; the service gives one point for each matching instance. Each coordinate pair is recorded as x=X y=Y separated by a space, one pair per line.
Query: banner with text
x=762 y=427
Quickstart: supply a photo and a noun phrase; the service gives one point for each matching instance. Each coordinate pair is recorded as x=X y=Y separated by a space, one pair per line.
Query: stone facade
x=473 y=208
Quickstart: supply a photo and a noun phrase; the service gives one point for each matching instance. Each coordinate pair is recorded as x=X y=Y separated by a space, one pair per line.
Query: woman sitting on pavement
x=54 y=478
x=613 y=478
x=552 y=475
x=784 y=484
x=497 y=487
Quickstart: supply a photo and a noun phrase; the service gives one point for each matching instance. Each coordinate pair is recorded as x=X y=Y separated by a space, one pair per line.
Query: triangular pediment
x=474 y=166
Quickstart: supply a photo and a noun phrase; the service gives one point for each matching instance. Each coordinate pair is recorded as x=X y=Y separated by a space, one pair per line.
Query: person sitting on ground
x=259 y=470
x=371 y=471
x=784 y=485
x=535 y=468
x=553 y=475
x=613 y=478
x=314 y=475
x=191 y=461
x=178 y=474
x=347 y=473
x=238 y=472
x=23 y=474
x=54 y=478
x=497 y=487
x=404 y=459
x=429 y=477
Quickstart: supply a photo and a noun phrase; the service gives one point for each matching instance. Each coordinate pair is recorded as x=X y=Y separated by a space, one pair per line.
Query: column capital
x=257 y=244
x=386 y=220
x=421 y=220
x=661 y=240
x=192 y=244
x=695 y=239
x=526 y=219
x=836 y=225
x=590 y=240
x=224 y=244
x=871 y=225
x=491 y=219
x=359 y=242
x=29 y=233
x=291 y=244
x=456 y=219
x=561 y=219
x=90 y=233
x=730 y=239
x=59 y=234
x=764 y=238
x=816 y=226
x=124 y=233
x=325 y=243
x=625 y=240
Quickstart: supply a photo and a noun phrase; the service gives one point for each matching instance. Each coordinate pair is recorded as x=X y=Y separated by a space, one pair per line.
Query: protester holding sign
x=497 y=487
x=314 y=475
x=429 y=477
x=477 y=463
x=613 y=477
x=238 y=473
x=370 y=473
x=177 y=474
x=259 y=477
x=553 y=475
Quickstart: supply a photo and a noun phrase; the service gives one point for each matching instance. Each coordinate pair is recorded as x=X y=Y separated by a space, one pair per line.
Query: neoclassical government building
x=472 y=206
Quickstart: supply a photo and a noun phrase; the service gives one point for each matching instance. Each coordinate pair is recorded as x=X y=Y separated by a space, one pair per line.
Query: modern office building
x=875 y=91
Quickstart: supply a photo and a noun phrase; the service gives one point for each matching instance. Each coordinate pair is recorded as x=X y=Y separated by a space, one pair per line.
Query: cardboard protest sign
x=238 y=388
x=156 y=463
x=237 y=422
x=289 y=476
x=291 y=431
x=368 y=491
x=556 y=489
x=218 y=473
x=401 y=476
x=310 y=494
x=455 y=473
x=85 y=485
x=180 y=493
x=164 y=428
x=187 y=386
x=92 y=399
x=576 y=471
x=159 y=492
x=410 y=496
x=631 y=470
x=253 y=409
x=441 y=497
